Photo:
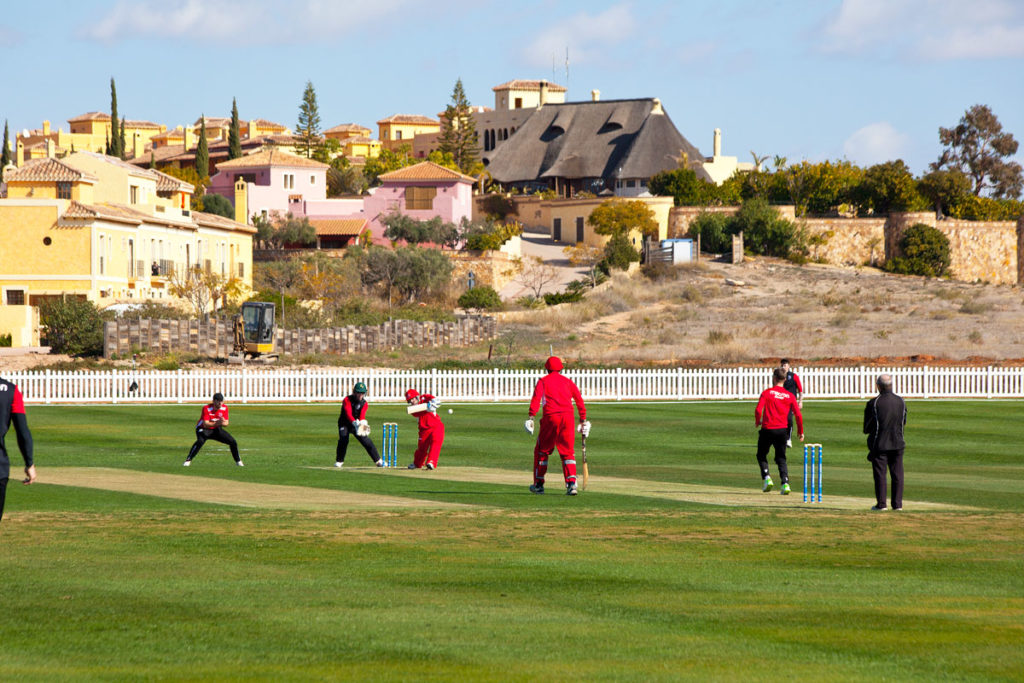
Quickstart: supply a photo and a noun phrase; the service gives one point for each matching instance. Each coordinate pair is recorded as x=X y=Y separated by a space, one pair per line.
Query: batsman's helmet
x=411 y=394
x=359 y=388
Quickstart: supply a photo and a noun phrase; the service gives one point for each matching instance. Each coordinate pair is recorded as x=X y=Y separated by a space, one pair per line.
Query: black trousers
x=893 y=461
x=218 y=434
x=3 y=495
x=344 y=431
x=773 y=438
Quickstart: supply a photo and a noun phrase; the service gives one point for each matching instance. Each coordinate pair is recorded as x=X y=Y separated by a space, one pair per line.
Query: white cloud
x=932 y=30
x=875 y=143
x=233 y=21
x=588 y=37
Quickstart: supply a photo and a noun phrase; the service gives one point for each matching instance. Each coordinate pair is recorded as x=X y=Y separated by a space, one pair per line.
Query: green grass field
x=654 y=573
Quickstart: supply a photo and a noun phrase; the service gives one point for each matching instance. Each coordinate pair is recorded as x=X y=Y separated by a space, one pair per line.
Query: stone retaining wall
x=215 y=338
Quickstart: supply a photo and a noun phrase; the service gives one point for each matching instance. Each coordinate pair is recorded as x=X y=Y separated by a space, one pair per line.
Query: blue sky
x=866 y=80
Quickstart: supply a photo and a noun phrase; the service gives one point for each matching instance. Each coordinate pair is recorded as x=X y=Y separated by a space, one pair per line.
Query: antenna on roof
x=566 y=73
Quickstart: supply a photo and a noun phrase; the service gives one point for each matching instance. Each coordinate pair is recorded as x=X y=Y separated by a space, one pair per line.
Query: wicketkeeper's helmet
x=359 y=388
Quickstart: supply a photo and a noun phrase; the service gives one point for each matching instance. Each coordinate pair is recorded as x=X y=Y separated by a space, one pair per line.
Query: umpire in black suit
x=884 y=419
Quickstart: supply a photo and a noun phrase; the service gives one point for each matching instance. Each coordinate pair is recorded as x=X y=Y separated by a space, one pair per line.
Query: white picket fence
x=618 y=384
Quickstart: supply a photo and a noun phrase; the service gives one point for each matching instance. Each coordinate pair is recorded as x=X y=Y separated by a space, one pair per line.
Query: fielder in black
x=884 y=418
x=211 y=426
x=12 y=410
x=792 y=385
x=352 y=421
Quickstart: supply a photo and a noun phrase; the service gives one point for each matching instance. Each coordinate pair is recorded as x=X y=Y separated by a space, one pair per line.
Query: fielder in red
x=771 y=415
x=556 y=393
x=431 y=431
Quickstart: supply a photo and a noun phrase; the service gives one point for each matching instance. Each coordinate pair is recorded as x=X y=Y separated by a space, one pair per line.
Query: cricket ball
x=450 y=411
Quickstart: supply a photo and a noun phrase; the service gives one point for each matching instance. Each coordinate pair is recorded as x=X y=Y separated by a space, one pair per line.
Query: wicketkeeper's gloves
x=584 y=428
x=363 y=429
x=355 y=426
x=529 y=425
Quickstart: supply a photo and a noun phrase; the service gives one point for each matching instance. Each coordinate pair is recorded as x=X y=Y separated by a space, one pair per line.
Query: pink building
x=422 y=191
x=275 y=181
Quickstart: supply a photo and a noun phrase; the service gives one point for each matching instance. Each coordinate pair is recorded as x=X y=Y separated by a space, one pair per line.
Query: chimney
x=46 y=127
x=50 y=148
x=138 y=147
x=241 y=201
x=188 y=138
x=20 y=154
x=718 y=142
x=595 y=95
x=250 y=129
x=543 y=93
x=656 y=106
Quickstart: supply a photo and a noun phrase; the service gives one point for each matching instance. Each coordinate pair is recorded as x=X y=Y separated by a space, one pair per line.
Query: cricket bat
x=417 y=408
x=586 y=469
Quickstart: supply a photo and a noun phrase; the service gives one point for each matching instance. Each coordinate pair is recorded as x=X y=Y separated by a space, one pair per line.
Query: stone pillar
x=242 y=202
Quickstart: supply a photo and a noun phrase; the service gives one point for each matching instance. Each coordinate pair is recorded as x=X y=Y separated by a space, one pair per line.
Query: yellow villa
x=97 y=228
x=400 y=129
x=89 y=132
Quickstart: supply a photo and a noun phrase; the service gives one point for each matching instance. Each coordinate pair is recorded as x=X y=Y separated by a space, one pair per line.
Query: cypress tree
x=458 y=135
x=5 y=157
x=152 y=159
x=234 y=139
x=114 y=144
x=308 y=127
x=202 y=151
x=124 y=147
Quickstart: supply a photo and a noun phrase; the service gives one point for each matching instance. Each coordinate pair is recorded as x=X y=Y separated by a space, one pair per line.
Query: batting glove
x=529 y=425
x=432 y=405
x=584 y=428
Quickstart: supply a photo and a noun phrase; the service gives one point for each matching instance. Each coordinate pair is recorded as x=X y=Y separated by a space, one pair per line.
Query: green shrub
x=618 y=253
x=480 y=297
x=554 y=298
x=492 y=237
x=6 y=339
x=764 y=231
x=970 y=207
x=497 y=205
x=73 y=326
x=714 y=232
x=925 y=252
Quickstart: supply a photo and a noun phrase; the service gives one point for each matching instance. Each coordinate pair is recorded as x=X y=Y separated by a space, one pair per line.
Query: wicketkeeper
x=431 y=430
x=556 y=393
x=211 y=426
x=352 y=420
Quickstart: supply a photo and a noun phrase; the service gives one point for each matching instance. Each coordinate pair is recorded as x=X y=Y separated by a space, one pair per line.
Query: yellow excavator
x=255 y=333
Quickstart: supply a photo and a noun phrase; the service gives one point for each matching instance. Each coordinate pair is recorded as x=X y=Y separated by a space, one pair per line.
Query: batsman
x=556 y=393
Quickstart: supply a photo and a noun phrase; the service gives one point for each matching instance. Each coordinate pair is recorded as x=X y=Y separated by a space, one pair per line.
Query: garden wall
x=215 y=338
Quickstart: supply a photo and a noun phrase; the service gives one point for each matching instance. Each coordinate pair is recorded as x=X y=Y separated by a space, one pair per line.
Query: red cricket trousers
x=556 y=431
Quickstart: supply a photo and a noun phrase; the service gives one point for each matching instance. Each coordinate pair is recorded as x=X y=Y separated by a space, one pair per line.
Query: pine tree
x=114 y=146
x=458 y=134
x=202 y=151
x=5 y=157
x=234 y=139
x=307 y=130
x=124 y=147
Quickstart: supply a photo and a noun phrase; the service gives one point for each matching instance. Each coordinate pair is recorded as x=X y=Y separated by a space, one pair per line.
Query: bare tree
x=202 y=289
x=537 y=275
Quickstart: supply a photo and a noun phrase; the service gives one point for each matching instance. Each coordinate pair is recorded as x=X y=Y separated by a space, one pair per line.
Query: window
x=557 y=230
x=134 y=192
x=398 y=135
x=63 y=190
x=312 y=180
x=519 y=103
x=420 y=197
x=630 y=183
x=15 y=297
x=289 y=181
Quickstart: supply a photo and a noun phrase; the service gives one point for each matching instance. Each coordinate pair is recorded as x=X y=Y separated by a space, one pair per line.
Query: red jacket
x=772 y=411
x=556 y=392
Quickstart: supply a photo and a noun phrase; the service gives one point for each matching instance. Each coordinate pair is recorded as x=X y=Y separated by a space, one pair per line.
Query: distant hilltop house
x=94 y=227
x=401 y=129
x=355 y=141
x=598 y=146
x=89 y=132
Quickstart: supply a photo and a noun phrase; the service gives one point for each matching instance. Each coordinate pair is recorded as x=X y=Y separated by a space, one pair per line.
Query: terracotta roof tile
x=270 y=157
x=48 y=170
x=168 y=183
x=91 y=116
x=521 y=84
x=137 y=123
x=347 y=128
x=214 y=121
x=427 y=170
x=338 y=226
x=214 y=221
x=264 y=123
x=409 y=118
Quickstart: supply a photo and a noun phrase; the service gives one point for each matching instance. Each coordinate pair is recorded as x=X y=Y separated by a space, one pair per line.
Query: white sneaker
x=412 y=466
x=187 y=463
x=789 y=443
x=767 y=485
x=570 y=489
x=379 y=463
x=429 y=466
x=240 y=463
x=338 y=464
